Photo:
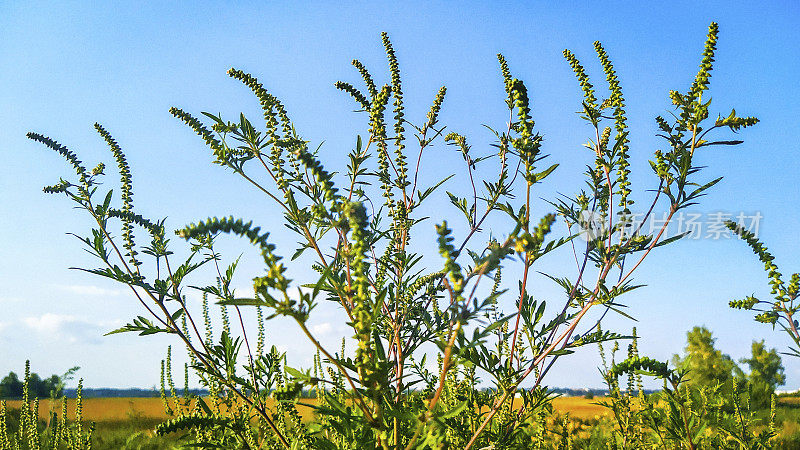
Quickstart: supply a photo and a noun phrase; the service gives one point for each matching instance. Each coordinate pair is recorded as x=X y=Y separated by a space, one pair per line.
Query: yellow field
x=103 y=409
x=122 y=408
x=580 y=407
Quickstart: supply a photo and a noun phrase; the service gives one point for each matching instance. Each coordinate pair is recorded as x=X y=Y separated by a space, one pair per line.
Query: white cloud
x=322 y=328
x=94 y=291
x=66 y=328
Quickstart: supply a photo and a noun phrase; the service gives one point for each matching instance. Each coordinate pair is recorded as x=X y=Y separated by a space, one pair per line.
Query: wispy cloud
x=65 y=328
x=195 y=295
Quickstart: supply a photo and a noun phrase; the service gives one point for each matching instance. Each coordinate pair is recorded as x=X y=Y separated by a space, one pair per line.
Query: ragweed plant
x=782 y=310
x=361 y=232
x=29 y=433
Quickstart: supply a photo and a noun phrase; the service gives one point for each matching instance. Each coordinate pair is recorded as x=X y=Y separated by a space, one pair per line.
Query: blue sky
x=66 y=65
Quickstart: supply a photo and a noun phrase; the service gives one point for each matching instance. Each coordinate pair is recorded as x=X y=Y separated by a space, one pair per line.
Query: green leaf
x=296 y=373
x=543 y=174
x=143 y=325
x=456 y=410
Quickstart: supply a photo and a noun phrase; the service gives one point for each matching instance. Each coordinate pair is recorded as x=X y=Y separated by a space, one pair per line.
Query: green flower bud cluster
x=276 y=157
x=226 y=323
x=770 y=317
x=764 y=256
x=633 y=352
x=356 y=214
x=641 y=364
x=195 y=420
x=57 y=188
x=794 y=285
x=519 y=93
x=355 y=93
x=640 y=241
x=220 y=151
x=531 y=243
x=124 y=169
x=382 y=266
x=362 y=303
x=491 y=261
x=583 y=201
x=498 y=278
x=79 y=409
x=401 y=228
x=378 y=132
x=99 y=169
x=605 y=136
x=207 y=319
x=373 y=91
x=323 y=179
x=5 y=442
x=461 y=141
x=736 y=123
x=127 y=192
x=448 y=251
x=276 y=154
x=213 y=225
x=433 y=114
x=269 y=103
x=617 y=101
x=425 y=281
x=747 y=303
x=785 y=296
x=65 y=152
x=27 y=417
x=168 y=373
x=399 y=115
x=525 y=243
x=155 y=229
x=663 y=125
x=527 y=144
x=701 y=81
x=661 y=167
x=692 y=109
x=507 y=80
x=376 y=107
x=588 y=90
x=677 y=98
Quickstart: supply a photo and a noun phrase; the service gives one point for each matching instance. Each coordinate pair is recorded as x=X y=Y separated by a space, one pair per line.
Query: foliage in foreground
x=692 y=413
x=358 y=232
x=683 y=415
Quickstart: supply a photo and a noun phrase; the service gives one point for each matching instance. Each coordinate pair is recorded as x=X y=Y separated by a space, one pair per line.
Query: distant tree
x=11 y=385
x=766 y=373
x=706 y=365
